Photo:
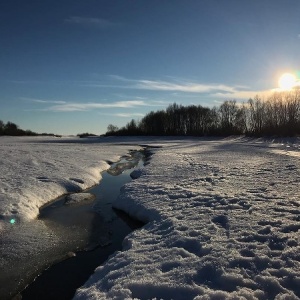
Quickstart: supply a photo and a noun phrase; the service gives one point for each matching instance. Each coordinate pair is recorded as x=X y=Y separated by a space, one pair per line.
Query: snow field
x=35 y=171
x=223 y=220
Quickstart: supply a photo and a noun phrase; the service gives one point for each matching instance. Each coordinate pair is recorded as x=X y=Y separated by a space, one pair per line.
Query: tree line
x=13 y=129
x=278 y=114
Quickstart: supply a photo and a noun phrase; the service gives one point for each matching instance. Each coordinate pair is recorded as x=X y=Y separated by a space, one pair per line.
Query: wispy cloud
x=42 y=100
x=63 y=106
x=123 y=115
x=176 y=85
x=129 y=115
x=90 y=22
x=243 y=95
x=185 y=88
x=68 y=107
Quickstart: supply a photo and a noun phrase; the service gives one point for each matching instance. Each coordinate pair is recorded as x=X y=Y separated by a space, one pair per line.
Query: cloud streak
x=129 y=115
x=43 y=101
x=211 y=90
x=63 y=106
x=123 y=115
x=68 y=107
x=242 y=95
x=176 y=86
x=183 y=87
x=90 y=22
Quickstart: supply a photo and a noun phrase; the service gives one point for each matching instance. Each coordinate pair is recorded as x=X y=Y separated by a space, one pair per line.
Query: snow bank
x=222 y=223
x=37 y=170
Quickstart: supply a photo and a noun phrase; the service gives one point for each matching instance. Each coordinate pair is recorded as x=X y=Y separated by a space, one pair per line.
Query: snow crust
x=222 y=216
x=36 y=170
x=33 y=172
x=223 y=220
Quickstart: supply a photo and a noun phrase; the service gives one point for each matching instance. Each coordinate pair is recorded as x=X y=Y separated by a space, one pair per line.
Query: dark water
x=100 y=230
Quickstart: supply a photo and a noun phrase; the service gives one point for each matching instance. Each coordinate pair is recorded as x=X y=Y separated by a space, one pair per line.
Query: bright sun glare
x=287 y=81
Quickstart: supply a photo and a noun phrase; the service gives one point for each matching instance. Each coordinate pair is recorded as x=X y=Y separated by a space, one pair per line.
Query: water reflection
x=99 y=228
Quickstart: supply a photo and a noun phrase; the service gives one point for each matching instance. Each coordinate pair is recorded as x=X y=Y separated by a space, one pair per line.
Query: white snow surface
x=37 y=170
x=222 y=222
x=222 y=216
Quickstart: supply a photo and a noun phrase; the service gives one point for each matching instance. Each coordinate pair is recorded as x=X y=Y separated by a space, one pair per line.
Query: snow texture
x=222 y=216
x=78 y=198
x=36 y=170
x=222 y=222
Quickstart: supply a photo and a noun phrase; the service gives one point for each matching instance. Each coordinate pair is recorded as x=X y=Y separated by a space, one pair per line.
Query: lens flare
x=12 y=221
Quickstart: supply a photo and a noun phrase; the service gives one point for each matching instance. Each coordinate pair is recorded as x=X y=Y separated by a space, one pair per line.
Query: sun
x=287 y=81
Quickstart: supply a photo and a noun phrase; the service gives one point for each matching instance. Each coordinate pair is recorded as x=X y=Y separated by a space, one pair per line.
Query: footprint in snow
x=43 y=179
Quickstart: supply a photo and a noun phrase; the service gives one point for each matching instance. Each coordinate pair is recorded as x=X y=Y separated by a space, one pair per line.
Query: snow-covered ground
x=33 y=172
x=37 y=170
x=223 y=220
x=223 y=216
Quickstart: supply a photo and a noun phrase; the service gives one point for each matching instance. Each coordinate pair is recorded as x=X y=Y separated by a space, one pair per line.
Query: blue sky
x=73 y=66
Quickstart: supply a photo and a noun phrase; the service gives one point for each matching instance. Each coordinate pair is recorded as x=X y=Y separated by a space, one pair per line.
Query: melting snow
x=35 y=171
x=223 y=216
x=223 y=220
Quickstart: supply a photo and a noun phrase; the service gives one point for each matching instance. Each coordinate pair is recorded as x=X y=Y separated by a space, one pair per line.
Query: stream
x=87 y=231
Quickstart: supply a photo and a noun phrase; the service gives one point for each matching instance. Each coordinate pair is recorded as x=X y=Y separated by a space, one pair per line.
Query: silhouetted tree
x=279 y=114
x=1 y=127
x=11 y=129
x=112 y=129
x=132 y=128
x=257 y=113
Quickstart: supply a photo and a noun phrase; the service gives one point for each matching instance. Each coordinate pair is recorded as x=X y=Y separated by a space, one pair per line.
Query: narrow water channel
x=92 y=225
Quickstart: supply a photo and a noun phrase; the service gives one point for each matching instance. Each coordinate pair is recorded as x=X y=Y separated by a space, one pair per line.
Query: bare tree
x=112 y=128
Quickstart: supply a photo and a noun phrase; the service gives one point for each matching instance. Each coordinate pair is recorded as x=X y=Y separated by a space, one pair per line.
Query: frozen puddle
x=64 y=229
